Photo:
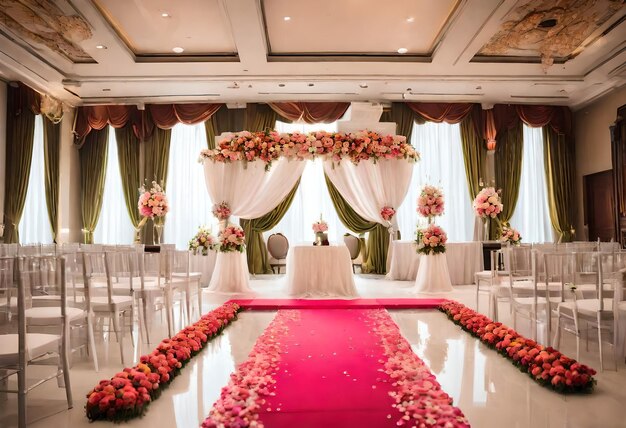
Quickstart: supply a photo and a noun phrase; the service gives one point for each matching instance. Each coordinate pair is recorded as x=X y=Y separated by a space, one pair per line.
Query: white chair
x=354 y=247
x=488 y=278
x=154 y=290
x=21 y=349
x=183 y=279
x=278 y=247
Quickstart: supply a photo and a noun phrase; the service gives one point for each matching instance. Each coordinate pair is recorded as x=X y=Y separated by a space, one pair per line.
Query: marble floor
x=490 y=390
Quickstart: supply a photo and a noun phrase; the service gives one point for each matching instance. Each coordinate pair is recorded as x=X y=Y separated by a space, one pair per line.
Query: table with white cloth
x=320 y=271
x=230 y=274
x=203 y=264
x=464 y=259
x=433 y=275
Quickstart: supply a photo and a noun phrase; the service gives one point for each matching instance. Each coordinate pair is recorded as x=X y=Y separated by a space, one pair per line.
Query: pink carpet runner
x=275 y=304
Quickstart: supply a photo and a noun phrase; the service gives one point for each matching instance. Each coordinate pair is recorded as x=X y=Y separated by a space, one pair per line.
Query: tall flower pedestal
x=486 y=229
x=231 y=273
x=433 y=275
x=158 y=234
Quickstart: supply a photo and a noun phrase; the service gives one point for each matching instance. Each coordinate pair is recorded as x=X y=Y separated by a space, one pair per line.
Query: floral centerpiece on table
x=487 y=203
x=152 y=203
x=203 y=242
x=430 y=202
x=320 y=226
x=511 y=236
x=431 y=240
x=221 y=211
x=232 y=238
x=387 y=213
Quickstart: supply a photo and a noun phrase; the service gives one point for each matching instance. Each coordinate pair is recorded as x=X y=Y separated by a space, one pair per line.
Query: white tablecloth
x=230 y=274
x=203 y=264
x=433 y=275
x=320 y=271
x=464 y=259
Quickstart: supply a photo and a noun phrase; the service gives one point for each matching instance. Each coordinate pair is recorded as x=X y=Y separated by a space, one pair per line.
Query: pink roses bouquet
x=431 y=240
x=487 y=203
x=387 y=213
x=152 y=203
x=203 y=241
x=320 y=226
x=232 y=238
x=221 y=211
x=430 y=202
x=510 y=235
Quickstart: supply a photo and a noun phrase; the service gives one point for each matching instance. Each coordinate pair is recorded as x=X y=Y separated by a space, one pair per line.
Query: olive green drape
x=52 y=152
x=474 y=153
x=559 y=164
x=157 y=157
x=19 y=153
x=256 y=250
x=404 y=118
x=508 y=169
x=254 y=118
x=93 y=166
x=378 y=240
x=260 y=117
x=128 y=159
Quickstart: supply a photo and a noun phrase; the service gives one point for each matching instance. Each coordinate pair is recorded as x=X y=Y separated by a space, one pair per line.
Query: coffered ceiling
x=137 y=51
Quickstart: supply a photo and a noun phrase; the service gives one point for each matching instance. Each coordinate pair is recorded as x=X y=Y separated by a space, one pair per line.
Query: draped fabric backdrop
x=311 y=112
x=93 y=162
x=128 y=152
x=508 y=169
x=52 y=153
x=19 y=151
x=474 y=153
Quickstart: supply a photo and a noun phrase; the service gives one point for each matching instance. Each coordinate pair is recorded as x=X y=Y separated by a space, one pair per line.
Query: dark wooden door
x=600 y=205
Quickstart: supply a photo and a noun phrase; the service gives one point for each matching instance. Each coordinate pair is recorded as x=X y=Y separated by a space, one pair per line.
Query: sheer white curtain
x=34 y=226
x=441 y=164
x=190 y=205
x=114 y=226
x=311 y=198
x=531 y=216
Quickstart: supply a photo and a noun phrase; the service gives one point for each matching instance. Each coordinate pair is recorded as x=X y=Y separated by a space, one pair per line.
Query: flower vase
x=486 y=229
x=158 y=234
x=137 y=238
x=431 y=219
x=319 y=238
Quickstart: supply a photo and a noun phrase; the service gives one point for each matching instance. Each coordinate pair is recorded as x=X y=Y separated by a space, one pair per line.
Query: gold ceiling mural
x=550 y=29
x=44 y=24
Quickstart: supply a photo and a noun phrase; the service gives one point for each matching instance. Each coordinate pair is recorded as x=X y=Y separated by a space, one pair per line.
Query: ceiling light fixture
x=363 y=85
x=178 y=49
x=410 y=19
x=100 y=47
x=165 y=15
x=402 y=50
x=287 y=18
x=311 y=84
x=281 y=85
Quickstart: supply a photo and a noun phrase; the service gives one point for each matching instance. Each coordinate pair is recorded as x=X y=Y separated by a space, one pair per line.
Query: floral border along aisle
x=129 y=392
x=545 y=365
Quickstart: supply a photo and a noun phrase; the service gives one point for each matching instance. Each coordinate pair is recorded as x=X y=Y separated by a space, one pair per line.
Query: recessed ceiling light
x=410 y=19
x=363 y=85
x=178 y=49
x=165 y=15
x=402 y=50
x=311 y=84
x=100 y=47
x=287 y=18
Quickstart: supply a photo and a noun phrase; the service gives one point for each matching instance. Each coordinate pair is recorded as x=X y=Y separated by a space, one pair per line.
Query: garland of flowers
x=203 y=242
x=232 y=238
x=127 y=394
x=270 y=145
x=253 y=382
x=510 y=235
x=545 y=365
x=431 y=240
x=418 y=396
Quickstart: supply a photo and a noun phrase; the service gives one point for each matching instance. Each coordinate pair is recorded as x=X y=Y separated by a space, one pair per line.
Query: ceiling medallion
x=550 y=29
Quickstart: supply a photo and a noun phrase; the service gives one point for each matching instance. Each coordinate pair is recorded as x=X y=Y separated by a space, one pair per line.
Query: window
x=531 y=216
x=190 y=204
x=441 y=164
x=311 y=198
x=34 y=226
x=114 y=226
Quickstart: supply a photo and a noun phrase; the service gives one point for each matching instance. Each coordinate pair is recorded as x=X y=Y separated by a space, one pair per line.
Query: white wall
x=593 y=143
x=3 y=145
x=70 y=223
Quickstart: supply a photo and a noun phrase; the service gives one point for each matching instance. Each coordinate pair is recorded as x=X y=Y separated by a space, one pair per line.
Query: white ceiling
x=245 y=50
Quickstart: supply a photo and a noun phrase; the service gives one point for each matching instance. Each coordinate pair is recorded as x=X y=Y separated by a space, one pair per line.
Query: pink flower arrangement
x=127 y=394
x=417 y=394
x=431 y=240
x=430 y=202
x=152 y=203
x=510 y=235
x=487 y=203
x=253 y=382
x=320 y=226
x=232 y=238
x=269 y=146
x=221 y=211
x=387 y=213
x=203 y=241
x=545 y=365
